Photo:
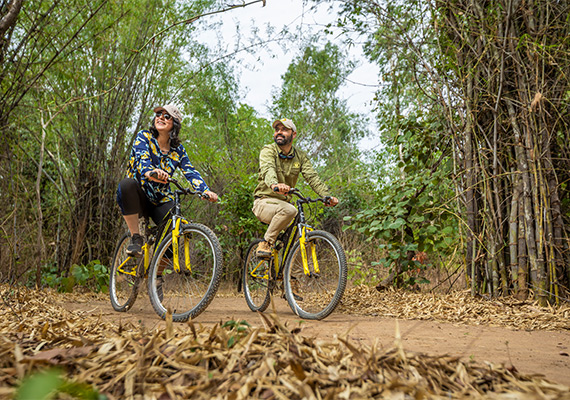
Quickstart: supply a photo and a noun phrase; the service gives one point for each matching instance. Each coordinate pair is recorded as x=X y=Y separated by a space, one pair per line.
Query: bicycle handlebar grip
x=153 y=174
x=205 y=196
x=291 y=190
x=327 y=200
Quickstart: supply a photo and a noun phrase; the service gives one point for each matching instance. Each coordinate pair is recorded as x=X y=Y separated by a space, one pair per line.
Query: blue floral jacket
x=146 y=156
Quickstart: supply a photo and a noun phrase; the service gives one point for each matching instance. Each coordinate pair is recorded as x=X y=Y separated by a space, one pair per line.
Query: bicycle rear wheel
x=315 y=295
x=125 y=277
x=256 y=279
x=186 y=292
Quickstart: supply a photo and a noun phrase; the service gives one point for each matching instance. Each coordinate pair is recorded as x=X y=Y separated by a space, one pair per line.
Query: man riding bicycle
x=280 y=164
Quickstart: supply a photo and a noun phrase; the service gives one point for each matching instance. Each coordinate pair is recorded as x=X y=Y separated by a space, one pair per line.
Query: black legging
x=132 y=200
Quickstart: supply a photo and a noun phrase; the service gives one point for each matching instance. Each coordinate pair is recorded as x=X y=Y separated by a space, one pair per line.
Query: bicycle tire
x=256 y=279
x=315 y=296
x=124 y=287
x=188 y=292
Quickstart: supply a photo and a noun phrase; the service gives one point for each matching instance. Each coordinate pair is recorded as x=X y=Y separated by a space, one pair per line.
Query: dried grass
x=228 y=362
x=457 y=307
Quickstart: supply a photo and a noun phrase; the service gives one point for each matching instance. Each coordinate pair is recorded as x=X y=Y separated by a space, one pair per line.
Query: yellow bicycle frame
x=146 y=258
x=302 y=242
x=253 y=272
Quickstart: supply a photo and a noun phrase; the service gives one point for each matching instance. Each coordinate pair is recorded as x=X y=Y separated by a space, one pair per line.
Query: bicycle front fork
x=175 y=252
x=303 y=243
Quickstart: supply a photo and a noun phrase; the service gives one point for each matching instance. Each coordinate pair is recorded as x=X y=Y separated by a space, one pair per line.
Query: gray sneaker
x=135 y=247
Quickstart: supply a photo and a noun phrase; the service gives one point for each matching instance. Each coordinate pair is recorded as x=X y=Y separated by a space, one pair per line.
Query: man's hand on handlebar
x=210 y=196
x=281 y=188
x=158 y=175
x=332 y=201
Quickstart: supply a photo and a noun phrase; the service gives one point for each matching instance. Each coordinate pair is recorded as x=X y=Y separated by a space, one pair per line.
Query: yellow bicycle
x=310 y=264
x=181 y=260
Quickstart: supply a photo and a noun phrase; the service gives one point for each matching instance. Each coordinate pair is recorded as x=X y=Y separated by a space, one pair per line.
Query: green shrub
x=94 y=276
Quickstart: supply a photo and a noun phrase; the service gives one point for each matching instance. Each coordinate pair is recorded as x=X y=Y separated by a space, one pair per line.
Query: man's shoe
x=264 y=250
x=135 y=247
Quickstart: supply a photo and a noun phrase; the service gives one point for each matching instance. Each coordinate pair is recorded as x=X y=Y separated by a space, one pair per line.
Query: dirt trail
x=530 y=352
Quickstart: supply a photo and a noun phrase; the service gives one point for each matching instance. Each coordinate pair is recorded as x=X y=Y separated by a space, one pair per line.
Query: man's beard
x=282 y=140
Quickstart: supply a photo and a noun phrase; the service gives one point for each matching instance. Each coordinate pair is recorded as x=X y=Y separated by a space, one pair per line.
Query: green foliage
x=50 y=276
x=358 y=272
x=47 y=384
x=236 y=207
x=94 y=276
x=236 y=223
x=411 y=213
x=239 y=328
x=412 y=209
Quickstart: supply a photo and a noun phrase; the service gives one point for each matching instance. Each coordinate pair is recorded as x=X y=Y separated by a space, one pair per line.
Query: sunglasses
x=286 y=157
x=163 y=114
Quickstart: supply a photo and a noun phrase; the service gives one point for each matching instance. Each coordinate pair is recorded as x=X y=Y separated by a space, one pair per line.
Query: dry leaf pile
x=458 y=307
x=233 y=361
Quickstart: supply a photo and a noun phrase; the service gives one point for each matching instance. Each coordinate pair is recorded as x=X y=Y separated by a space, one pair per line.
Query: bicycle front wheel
x=186 y=287
x=315 y=293
x=125 y=277
x=255 y=279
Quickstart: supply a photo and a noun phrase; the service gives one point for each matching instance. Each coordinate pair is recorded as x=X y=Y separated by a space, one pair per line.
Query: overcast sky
x=259 y=78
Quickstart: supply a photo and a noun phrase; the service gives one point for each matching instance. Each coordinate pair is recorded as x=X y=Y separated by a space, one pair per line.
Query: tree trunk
x=41 y=249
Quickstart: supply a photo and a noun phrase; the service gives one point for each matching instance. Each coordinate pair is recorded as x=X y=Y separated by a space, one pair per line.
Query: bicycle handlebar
x=181 y=189
x=326 y=200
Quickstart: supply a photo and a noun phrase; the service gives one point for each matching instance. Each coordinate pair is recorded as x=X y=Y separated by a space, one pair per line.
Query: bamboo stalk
x=528 y=212
x=522 y=258
x=513 y=230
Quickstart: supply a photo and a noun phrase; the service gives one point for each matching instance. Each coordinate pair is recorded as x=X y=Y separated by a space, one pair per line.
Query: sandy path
x=531 y=352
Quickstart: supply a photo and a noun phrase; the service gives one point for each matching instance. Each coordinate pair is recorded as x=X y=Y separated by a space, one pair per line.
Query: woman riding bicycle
x=157 y=151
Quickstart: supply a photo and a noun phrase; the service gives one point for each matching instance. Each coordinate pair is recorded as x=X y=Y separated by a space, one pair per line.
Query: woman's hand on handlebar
x=210 y=196
x=158 y=175
x=281 y=188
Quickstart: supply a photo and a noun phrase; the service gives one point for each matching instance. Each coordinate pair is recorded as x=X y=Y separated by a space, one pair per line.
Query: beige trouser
x=277 y=213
